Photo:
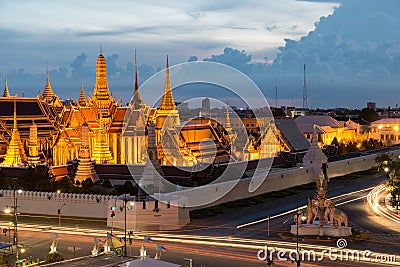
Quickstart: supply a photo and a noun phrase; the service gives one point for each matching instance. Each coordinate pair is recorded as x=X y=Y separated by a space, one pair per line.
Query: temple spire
x=228 y=126
x=136 y=76
x=82 y=99
x=167 y=101
x=15 y=154
x=101 y=95
x=48 y=93
x=33 y=145
x=137 y=99
x=6 y=91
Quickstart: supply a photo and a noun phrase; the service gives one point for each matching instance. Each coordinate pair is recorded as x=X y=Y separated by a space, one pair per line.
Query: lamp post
x=386 y=170
x=131 y=203
x=14 y=209
x=59 y=214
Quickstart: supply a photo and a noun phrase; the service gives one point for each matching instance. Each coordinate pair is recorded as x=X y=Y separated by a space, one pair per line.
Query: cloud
x=353 y=52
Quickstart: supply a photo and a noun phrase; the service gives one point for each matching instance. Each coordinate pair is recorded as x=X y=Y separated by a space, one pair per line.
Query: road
x=219 y=242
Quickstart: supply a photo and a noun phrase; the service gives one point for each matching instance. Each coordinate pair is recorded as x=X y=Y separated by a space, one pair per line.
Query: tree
x=106 y=183
x=127 y=188
x=335 y=142
x=392 y=169
x=65 y=184
x=369 y=115
x=88 y=183
x=343 y=149
x=36 y=179
x=54 y=257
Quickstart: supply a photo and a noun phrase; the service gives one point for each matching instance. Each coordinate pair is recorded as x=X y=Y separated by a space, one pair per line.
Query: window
x=144 y=204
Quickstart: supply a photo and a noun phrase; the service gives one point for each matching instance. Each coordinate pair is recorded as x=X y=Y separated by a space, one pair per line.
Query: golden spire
x=14 y=155
x=136 y=76
x=167 y=101
x=137 y=99
x=15 y=114
x=101 y=90
x=48 y=93
x=82 y=99
x=228 y=119
x=6 y=91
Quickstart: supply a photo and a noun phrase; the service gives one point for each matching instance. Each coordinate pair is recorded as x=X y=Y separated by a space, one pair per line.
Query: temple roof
x=118 y=120
x=318 y=120
x=291 y=135
x=28 y=109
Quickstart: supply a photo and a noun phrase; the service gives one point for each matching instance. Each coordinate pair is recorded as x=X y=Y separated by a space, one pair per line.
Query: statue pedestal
x=314 y=229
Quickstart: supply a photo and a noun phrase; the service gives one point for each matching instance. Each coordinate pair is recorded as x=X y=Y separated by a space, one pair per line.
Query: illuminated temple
x=91 y=129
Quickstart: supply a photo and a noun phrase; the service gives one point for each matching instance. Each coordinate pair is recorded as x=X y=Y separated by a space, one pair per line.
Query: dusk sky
x=351 y=48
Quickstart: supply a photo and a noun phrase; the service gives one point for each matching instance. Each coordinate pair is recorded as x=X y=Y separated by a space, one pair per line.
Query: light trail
x=305 y=206
x=373 y=201
x=252 y=245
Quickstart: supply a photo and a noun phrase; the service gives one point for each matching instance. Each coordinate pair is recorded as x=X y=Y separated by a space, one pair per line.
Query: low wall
x=97 y=206
x=78 y=205
x=285 y=179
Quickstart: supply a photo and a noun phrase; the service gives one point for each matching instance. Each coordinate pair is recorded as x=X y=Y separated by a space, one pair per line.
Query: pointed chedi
x=101 y=94
x=85 y=166
x=48 y=93
x=167 y=101
x=15 y=155
x=33 y=146
x=82 y=99
x=6 y=91
x=101 y=151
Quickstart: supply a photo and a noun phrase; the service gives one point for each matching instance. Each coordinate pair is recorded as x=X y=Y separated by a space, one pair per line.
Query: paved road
x=37 y=243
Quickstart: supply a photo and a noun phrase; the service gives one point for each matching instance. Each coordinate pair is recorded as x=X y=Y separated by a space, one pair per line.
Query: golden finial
x=15 y=112
x=101 y=50
x=136 y=75
x=47 y=71
x=228 y=126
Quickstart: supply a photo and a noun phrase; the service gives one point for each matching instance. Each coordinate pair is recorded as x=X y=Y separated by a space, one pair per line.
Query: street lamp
x=14 y=211
x=59 y=214
x=386 y=170
x=131 y=203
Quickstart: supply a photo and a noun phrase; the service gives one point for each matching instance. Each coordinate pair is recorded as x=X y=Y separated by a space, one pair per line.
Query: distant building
x=386 y=130
x=360 y=126
x=205 y=105
x=371 y=105
x=326 y=127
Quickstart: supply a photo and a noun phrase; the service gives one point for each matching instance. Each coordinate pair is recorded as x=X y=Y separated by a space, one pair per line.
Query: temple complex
x=99 y=130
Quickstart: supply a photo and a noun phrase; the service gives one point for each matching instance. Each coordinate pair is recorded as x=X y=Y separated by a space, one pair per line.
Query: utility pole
x=305 y=97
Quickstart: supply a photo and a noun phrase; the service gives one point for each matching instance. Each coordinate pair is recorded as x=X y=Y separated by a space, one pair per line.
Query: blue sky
x=352 y=50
